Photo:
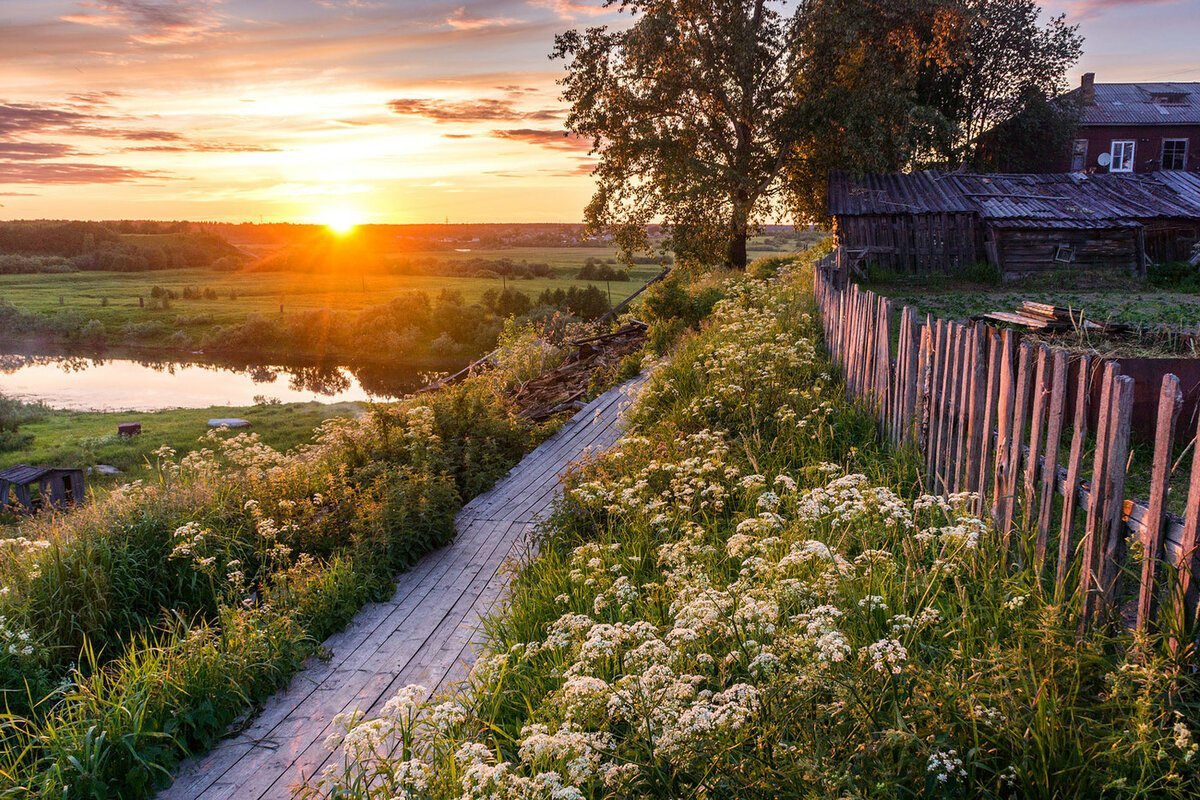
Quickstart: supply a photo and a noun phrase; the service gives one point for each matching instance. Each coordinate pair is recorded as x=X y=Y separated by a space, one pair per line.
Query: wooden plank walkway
x=425 y=634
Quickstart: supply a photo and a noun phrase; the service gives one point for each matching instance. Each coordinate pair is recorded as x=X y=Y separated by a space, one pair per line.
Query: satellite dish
x=1104 y=159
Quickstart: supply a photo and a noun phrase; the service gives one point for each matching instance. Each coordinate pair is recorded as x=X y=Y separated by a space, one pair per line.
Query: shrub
x=191 y=597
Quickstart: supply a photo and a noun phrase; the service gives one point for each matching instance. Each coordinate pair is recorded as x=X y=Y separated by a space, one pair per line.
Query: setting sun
x=341 y=221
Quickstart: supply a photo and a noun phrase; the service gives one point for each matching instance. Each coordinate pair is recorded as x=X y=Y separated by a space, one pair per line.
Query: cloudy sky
x=385 y=110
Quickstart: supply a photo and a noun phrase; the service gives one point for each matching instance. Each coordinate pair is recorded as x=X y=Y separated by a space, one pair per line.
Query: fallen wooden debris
x=1025 y=321
x=1046 y=318
x=564 y=388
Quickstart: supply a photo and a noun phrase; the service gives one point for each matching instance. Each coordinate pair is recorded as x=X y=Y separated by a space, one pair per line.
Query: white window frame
x=1163 y=153
x=1126 y=163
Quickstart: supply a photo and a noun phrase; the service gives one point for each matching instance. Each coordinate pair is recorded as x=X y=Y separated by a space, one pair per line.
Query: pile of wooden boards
x=1047 y=318
x=564 y=388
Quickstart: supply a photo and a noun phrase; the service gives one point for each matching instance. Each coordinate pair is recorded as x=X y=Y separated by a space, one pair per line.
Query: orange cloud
x=556 y=140
x=461 y=20
x=484 y=110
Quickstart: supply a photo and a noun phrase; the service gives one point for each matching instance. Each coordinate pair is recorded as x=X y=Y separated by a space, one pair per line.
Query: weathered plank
x=1170 y=401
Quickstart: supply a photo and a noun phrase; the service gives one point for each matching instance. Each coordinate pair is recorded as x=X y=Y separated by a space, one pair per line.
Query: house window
x=1174 y=153
x=1079 y=155
x=1122 y=156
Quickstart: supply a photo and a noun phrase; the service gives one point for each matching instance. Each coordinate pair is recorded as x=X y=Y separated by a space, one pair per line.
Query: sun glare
x=341 y=221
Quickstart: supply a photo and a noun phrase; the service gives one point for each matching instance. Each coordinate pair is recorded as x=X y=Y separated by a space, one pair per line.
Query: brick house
x=1136 y=127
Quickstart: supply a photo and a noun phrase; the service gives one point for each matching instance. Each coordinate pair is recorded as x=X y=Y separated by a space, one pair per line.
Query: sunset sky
x=388 y=111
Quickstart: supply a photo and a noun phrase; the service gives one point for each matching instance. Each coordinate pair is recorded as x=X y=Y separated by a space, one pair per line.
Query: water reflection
x=104 y=383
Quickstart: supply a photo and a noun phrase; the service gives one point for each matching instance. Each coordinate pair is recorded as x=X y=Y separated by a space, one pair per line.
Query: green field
x=84 y=439
x=337 y=310
x=113 y=297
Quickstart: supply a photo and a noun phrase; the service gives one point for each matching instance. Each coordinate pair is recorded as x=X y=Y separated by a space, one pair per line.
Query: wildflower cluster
x=723 y=603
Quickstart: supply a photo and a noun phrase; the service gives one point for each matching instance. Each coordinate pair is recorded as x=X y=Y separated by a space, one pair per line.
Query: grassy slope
x=694 y=626
x=73 y=438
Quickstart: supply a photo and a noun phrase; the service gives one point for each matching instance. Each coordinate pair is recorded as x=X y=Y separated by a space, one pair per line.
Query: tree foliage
x=699 y=106
x=873 y=80
x=908 y=84
x=1011 y=57
x=1037 y=138
x=692 y=112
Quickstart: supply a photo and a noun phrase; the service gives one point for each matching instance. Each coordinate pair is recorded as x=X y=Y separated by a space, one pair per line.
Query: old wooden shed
x=924 y=222
x=41 y=487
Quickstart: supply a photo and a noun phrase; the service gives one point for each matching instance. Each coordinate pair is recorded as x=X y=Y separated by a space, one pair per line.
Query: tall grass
x=751 y=597
x=133 y=631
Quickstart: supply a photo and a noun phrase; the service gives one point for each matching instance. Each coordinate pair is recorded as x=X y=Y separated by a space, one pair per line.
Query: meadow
x=753 y=596
x=73 y=438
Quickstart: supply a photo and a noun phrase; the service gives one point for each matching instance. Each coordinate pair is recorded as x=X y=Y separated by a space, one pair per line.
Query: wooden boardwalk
x=425 y=634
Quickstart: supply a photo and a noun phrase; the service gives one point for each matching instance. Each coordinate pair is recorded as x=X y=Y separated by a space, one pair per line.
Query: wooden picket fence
x=989 y=414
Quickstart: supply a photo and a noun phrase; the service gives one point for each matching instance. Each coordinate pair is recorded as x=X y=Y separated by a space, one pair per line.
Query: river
x=102 y=383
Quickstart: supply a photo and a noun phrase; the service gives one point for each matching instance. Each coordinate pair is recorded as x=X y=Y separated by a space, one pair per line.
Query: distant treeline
x=413 y=327
x=52 y=246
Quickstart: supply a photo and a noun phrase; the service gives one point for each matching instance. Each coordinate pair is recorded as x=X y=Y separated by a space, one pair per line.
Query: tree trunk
x=739 y=232
x=735 y=256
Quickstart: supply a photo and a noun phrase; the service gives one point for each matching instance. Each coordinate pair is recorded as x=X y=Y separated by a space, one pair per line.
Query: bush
x=14 y=414
x=196 y=594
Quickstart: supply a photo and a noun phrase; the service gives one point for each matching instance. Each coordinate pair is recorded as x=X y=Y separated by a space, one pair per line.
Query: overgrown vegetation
x=14 y=414
x=415 y=326
x=752 y=597
x=135 y=629
x=1171 y=304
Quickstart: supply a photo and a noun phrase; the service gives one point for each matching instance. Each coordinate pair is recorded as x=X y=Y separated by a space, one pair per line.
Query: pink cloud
x=45 y=172
x=570 y=9
x=553 y=139
x=164 y=22
x=462 y=20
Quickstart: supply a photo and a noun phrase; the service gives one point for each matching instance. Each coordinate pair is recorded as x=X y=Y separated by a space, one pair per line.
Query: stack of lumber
x=564 y=388
x=1048 y=318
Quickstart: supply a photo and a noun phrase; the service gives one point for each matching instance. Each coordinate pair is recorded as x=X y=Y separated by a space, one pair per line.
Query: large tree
x=895 y=85
x=874 y=89
x=1011 y=57
x=691 y=109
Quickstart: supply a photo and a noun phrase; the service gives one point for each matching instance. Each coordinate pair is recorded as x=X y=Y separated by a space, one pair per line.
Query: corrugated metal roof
x=1080 y=200
x=1143 y=104
x=1185 y=185
x=23 y=473
x=896 y=193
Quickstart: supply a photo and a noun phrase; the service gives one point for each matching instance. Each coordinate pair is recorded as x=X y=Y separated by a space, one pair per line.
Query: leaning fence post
x=976 y=416
x=1074 y=467
x=1186 y=561
x=1004 y=426
x=1016 y=435
x=1093 y=527
x=1170 y=400
x=1041 y=394
x=1113 y=530
x=992 y=387
x=1058 y=396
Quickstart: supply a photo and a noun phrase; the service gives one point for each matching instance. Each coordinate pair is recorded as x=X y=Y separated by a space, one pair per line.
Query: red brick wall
x=1148 y=148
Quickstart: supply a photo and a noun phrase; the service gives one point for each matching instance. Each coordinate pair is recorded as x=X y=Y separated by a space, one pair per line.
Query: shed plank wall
x=1030 y=251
